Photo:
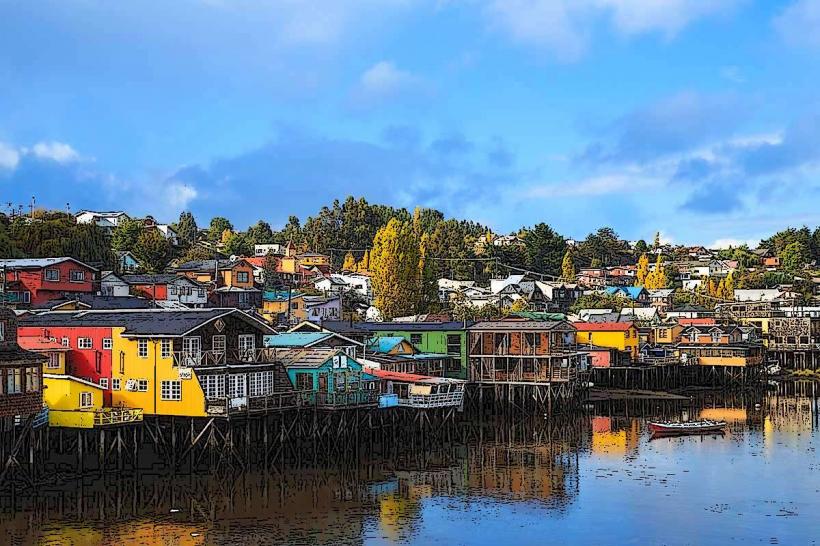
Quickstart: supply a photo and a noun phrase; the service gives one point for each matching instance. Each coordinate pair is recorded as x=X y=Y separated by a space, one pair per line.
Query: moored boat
x=690 y=427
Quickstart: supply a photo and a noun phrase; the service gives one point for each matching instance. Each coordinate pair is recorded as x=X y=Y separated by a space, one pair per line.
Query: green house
x=429 y=337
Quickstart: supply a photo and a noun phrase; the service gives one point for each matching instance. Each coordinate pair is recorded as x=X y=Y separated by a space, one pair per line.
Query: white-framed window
x=142 y=348
x=53 y=360
x=14 y=381
x=115 y=384
x=142 y=385
x=213 y=386
x=104 y=382
x=237 y=386
x=260 y=383
x=241 y=276
x=247 y=346
x=244 y=298
x=53 y=275
x=26 y=297
x=32 y=379
x=165 y=348
x=86 y=399
x=77 y=275
x=108 y=343
x=171 y=390
x=84 y=343
x=66 y=342
x=200 y=292
x=218 y=344
x=172 y=290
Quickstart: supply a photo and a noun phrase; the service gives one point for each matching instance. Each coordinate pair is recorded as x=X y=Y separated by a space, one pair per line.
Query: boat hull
x=687 y=428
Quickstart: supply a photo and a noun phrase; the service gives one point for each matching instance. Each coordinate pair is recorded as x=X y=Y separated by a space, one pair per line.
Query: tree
x=291 y=232
x=427 y=279
x=394 y=265
x=794 y=257
x=656 y=244
x=364 y=264
x=217 y=227
x=261 y=233
x=643 y=270
x=197 y=253
x=640 y=247
x=238 y=244
x=544 y=249
x=568 y=267
x=271 y=272
x=604 y=247
x=350 y=262
x=187 y=229
x=152 y=250
x=125 y=235
x=657 y=279
x=519 y=305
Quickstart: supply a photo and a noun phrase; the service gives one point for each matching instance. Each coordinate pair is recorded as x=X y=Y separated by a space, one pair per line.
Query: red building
x=88 y=344
x=34 y=281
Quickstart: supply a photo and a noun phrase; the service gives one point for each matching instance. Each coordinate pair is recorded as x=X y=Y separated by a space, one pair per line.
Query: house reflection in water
x=609 y=439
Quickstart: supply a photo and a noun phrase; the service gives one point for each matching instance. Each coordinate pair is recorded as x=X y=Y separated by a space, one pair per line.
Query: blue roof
x=279 y=295
x=383 y=344
x=632 y=292
x=295 y=339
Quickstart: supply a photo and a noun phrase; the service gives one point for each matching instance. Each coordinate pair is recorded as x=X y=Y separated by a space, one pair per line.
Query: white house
x=359 y=284
x=106 y=220
x=264 y=250
x=113 y=285
x=763 y=294
x=320 y=308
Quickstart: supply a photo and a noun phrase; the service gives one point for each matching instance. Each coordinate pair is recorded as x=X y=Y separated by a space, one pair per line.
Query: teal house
x=329 y=377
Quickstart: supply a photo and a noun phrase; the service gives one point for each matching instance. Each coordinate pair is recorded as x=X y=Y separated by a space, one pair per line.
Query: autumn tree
x=349 y=263
x=657 y=279
x=643 y=270
x=152 y=250
x=364 y=263
x=395 y=268
x=568 y=267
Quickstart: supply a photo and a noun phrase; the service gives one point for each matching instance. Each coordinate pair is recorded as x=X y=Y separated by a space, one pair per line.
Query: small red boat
x=689 y=427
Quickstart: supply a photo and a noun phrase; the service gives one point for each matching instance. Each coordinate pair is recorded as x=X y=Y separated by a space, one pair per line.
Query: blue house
x=313 y=340
x=396 y=354
x=328 y=377
x=127 y=262
x=638 y=294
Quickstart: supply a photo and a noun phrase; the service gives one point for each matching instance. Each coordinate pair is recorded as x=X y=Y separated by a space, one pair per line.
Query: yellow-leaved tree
x=364 y=264
x=568 y=267
x=643 y=270
x=350 y=262
x=394 y=264
x=657 y=279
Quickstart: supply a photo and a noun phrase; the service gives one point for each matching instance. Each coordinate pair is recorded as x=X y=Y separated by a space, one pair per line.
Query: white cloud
x=55 y=151
x=9 y=157
x=384 y=78
x=178 y=195
x=599 y=185
x=565 y=27
x=733 y=243
x=799 y=24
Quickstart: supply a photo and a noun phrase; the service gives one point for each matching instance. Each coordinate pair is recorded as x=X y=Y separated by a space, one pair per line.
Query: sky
x=697 y=119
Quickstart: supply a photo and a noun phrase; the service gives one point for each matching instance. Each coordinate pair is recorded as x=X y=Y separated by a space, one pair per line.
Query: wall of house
x=229 y=276
x=115 y=287
x=41 y=290
x=436 y=342
x=621 y=340
x=63 y=393
x=151 y=291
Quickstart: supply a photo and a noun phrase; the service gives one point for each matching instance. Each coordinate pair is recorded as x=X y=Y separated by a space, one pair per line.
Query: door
x=322 y=382
x=191 y=351
x=247 y=347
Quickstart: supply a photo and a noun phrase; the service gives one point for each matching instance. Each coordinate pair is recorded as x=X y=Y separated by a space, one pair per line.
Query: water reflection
x=590 y=479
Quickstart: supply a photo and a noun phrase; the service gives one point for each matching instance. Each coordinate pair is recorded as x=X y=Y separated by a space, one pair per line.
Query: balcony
x=254 y=404
x=204 y=359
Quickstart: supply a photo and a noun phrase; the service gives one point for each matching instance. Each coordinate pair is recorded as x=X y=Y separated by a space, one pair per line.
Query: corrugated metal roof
x=603 y=326
x=26 y=263
x=519 y=325
x=296 y=339
x=384 y=344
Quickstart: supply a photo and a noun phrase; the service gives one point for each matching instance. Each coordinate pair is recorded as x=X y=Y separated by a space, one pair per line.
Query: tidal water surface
x=596 y=478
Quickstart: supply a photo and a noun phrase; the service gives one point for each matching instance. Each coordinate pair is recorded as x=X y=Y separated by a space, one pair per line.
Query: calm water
x=595 y=479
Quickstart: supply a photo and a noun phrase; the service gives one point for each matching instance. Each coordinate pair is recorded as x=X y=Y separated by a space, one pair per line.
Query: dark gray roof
x=535 y=325
x=101 y=302
x=343 y=326
x=155 y=322
x=207 y=265
x=160 y=278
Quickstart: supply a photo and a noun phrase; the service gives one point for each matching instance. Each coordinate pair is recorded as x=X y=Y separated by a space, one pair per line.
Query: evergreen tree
x=217 y=227
x=794 y=257
x=125 y=235
x=152 y=250
x=544 y=249
x=641 y=248
x=261 y=233
x=187 y=229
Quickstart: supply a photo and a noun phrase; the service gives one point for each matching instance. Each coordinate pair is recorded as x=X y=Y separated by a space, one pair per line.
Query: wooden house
x=399 y=355
x=21 y=375
x=419 y=391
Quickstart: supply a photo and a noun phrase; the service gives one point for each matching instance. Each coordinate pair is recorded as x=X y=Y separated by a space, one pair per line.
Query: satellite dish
x=233 y=257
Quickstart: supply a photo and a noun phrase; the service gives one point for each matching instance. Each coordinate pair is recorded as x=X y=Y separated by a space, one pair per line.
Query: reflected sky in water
x=599 y=479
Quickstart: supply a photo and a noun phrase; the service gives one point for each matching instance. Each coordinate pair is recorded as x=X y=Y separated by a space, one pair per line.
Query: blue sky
x=698 y=119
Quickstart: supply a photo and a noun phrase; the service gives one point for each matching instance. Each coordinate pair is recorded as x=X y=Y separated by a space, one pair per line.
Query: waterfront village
x=110 y=321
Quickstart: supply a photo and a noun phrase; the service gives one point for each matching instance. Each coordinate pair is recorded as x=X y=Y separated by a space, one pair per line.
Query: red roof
x=406 y=377
x=696 y=321
x=256 y=262
x=39 y=343
x=603 y=326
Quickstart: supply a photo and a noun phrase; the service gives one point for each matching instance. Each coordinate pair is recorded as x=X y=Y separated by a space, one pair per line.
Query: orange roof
x=256 y=262
x=39 y=344
x=603 y=326
x=696 y=321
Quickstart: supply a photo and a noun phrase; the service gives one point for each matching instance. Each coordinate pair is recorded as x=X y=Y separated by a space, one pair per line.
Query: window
x=104 y=382
x=237 y=386
x=84 y=343
x=213 y=386
x=294 y=305
x=715 y=337
x=66 y=342
x=14 y=381
x=142 y=348
x=32 y=379
x=53 y=360
x=26 y=297
x=304 y=382
x=53 y=275
x=247 y=347
x=115 y=384
x=200 y=292
x=171 y=390
x=241 y=276
x=86 y=400
x=2 y=330
x=107 y=343
x=77 y=275
x=244 y=298
x=218 y=344
x=415 y=339
x=142 y=385
x=165 y=348
x=454 y=343
x=261 y=383
x=172 y=290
